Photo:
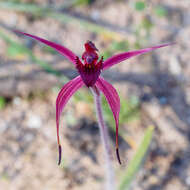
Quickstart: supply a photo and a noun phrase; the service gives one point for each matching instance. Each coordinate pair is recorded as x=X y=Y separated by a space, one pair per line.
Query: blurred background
x=154 y=90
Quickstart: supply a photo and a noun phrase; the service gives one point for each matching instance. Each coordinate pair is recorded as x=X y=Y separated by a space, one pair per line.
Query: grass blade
x=21 y=49
x=103 y=29
x=135 y=163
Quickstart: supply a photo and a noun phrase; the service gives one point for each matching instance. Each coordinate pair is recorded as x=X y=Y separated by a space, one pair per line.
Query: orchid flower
x=89 y=69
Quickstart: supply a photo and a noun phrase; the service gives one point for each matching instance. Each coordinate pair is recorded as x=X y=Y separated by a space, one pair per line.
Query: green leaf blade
x=135 y=163
x=140 y=5
x=2 y=102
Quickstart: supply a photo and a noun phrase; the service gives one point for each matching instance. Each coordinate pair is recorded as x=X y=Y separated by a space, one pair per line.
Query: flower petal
x=126 y=55
x=61 y=49
x=114 y=101
x=64 y=95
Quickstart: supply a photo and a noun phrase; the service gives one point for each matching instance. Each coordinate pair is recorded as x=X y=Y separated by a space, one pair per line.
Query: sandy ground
x=28 y=149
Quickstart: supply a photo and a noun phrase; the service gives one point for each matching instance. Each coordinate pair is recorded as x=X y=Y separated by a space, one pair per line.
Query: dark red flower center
x=91 y=68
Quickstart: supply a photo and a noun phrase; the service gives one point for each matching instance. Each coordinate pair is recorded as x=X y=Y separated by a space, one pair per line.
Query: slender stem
x=110 y=184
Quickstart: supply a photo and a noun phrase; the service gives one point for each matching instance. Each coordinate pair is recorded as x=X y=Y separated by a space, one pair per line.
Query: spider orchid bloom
x=89 y=70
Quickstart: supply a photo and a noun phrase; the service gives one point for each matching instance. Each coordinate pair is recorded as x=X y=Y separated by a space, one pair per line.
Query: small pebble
x=34 y=121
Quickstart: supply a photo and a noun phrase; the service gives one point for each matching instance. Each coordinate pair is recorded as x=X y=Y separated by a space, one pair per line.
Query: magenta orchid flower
x=89 y=75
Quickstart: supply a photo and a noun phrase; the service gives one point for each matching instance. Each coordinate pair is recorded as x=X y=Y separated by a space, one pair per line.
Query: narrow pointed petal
x=126 y=55
x=114 y=102
x=61 y=49
x=63 y=97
